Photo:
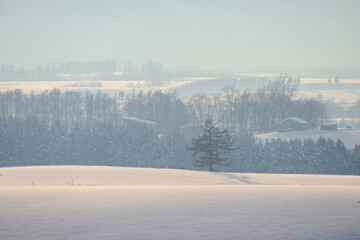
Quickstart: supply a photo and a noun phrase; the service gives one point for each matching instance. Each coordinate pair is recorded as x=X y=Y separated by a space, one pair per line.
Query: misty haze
x=179 y=119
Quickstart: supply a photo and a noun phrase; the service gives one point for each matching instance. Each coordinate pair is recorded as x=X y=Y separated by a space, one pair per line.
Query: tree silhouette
x=212 y=147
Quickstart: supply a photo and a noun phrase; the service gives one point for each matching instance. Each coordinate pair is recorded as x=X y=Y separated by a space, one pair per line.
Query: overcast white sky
x=239 y=36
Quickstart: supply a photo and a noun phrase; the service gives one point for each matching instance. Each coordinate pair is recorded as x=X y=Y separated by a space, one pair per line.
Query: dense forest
x=29 y=142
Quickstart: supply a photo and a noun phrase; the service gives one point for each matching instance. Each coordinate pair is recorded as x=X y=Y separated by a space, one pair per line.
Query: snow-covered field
x=350 y=137
x=348 y=95
x=110 y=86
x=345 y=95
x=81 y=202
x=325 y=80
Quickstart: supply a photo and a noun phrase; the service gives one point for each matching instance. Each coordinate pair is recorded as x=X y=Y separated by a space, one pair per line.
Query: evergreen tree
x=212 y=146
x=355 y=160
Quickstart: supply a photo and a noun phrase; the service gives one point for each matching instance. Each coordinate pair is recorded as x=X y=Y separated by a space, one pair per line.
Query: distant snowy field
x=348 y=95
x=344 y=95
x=82 y=202
x=108 y=86
x=350 y=137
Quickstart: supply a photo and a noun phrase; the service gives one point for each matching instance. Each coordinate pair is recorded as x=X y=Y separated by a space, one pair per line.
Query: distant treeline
x=26 y=142
x=89 y=70
x=237 y=111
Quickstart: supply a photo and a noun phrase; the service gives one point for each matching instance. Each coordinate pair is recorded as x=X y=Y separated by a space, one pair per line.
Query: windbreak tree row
x=237 y=111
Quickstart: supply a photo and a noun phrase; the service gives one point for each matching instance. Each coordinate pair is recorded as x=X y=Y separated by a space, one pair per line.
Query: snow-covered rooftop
x=139 y=120
x=295 y=119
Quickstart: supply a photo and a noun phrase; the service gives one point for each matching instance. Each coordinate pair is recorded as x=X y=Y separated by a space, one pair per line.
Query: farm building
x=292 y=124
x=328 y=126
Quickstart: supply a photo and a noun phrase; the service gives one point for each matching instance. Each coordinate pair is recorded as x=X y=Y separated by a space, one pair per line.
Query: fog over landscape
x=179 y=119
x=239 y=36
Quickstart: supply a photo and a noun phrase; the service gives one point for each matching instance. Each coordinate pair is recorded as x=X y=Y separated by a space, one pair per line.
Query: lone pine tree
x=212 y=146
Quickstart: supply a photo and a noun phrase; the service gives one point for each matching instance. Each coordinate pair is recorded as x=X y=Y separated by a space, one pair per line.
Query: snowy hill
x=350 y=137
x=82 y=202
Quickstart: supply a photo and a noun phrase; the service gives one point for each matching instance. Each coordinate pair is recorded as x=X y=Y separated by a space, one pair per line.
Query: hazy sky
x=239 y=36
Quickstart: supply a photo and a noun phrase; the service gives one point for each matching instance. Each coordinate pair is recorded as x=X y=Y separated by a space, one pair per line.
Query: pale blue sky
x=239 y=36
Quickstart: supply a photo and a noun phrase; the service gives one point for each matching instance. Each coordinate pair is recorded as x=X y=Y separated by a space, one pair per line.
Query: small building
x=292 y=124
x=328 y=126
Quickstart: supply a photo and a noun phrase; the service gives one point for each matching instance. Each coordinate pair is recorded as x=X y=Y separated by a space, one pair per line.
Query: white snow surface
x=350 y=137
x=92 y=202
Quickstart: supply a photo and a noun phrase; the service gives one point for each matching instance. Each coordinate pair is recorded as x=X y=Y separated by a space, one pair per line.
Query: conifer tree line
x=321 y=156
x=29 y=142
